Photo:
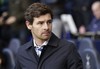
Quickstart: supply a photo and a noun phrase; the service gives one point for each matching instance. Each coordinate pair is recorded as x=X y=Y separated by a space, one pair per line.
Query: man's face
x=96 y=11
x=41 y=27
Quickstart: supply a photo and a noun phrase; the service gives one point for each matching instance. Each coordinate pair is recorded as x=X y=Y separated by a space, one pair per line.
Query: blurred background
x=75 y=20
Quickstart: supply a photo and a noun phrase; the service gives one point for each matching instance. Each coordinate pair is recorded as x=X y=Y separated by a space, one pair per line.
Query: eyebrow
x=47 y=20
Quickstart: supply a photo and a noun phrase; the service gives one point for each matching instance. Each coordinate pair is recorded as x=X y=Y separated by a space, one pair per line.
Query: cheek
x=50 y=26
x=36 y=30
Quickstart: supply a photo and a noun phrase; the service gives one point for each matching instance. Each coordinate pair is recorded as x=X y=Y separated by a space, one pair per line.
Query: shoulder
x=67 y=44
x=24 y=47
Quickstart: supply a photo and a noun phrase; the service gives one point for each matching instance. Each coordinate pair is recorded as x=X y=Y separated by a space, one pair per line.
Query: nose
x=46 y=26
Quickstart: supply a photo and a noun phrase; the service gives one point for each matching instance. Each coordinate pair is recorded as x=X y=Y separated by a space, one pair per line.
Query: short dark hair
x=36 y=10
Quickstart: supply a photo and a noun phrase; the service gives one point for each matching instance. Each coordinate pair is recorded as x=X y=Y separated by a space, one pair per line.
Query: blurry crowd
x=12 y=23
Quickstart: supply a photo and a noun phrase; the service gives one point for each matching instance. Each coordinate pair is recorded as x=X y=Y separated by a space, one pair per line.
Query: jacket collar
x=52 y=42
x=29 y=44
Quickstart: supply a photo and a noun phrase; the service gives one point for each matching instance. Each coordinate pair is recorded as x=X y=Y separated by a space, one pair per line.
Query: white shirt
x=38 y=48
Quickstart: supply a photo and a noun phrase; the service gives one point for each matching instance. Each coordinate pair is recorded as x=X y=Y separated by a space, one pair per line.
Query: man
x=95 y=23
x=55 y=54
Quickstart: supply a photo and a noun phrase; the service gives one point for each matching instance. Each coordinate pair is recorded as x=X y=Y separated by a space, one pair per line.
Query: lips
x=46 y=33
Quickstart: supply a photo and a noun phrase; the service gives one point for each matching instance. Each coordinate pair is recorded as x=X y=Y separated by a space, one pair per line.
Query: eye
x=40 y=22
x=49 y=21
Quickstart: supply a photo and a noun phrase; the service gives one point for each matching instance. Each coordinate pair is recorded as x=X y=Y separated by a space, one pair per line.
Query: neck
x=39 y=42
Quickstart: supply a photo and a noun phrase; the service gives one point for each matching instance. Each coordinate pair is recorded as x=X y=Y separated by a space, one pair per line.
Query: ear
x=29 y=26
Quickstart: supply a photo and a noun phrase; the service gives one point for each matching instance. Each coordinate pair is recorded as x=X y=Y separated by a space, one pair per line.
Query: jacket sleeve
x=74 y=60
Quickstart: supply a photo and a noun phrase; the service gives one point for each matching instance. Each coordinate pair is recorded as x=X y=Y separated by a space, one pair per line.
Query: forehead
x=96 y=6
x=43 y=18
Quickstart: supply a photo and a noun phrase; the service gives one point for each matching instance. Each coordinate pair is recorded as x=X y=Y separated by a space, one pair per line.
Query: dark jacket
x=58 y=54
x=94 y=26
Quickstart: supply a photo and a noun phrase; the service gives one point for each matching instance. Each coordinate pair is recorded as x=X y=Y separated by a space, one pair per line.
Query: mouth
x=47 y=33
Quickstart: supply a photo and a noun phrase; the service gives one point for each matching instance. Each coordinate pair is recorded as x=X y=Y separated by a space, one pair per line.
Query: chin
x=46 y=38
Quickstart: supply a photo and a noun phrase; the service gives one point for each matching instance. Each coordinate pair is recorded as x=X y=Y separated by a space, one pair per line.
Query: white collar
x=44 y=44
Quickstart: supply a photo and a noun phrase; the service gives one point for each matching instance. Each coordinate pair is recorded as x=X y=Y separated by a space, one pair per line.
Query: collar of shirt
x=39 y=46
